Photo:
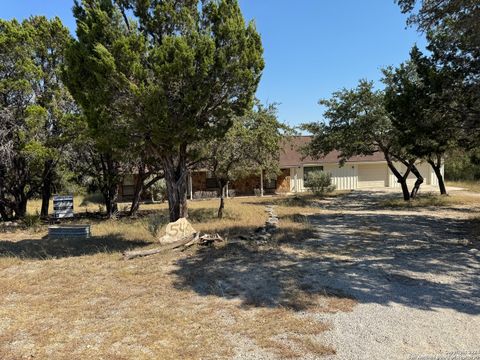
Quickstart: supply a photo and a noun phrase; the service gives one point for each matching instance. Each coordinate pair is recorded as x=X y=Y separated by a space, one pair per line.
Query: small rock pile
x=6 y=226
x=264 y=234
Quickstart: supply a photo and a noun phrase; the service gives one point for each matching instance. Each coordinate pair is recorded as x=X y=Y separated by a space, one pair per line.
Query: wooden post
x=261 y=182
x=296 y=180
x=226 y=189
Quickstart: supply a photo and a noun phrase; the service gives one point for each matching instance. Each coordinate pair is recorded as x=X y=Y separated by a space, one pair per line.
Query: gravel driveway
x=415 y=277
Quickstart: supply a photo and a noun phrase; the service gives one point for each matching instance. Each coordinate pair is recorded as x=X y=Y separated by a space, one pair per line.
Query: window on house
x=211 y=183
x=309 y=169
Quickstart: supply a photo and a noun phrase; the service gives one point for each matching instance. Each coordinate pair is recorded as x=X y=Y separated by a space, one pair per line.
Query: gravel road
x=414 y=273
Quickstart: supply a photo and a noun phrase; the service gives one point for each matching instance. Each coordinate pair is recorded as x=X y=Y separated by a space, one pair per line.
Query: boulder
x=177 y=230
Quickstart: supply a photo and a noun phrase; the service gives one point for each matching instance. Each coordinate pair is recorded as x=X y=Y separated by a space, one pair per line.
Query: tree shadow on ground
x=414 y=260
x=45 y=248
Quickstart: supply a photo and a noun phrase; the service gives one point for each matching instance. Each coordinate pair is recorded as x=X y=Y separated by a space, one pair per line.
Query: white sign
x=63 y=206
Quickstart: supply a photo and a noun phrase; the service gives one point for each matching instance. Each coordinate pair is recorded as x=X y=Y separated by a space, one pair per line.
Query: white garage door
x=372 y=175
x=411 y=178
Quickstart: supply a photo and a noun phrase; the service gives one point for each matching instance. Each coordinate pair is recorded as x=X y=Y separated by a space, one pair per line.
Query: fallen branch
x=204 y=240
x=209 y=239
x=184 y=243
x=127 y=255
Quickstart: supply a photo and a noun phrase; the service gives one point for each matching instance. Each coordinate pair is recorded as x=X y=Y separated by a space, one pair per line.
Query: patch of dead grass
x=94 y=305
x=469 y=185
x=433 y=200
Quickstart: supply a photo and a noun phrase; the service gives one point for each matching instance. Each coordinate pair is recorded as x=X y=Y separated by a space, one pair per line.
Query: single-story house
x=359 y=172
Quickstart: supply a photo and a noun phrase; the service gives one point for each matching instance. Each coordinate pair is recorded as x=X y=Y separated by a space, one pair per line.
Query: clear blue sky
x=312 y=47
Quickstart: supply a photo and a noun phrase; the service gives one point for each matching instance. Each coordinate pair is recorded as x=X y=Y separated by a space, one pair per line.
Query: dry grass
x=434 y=200
x=469 y=185
x=72 y=299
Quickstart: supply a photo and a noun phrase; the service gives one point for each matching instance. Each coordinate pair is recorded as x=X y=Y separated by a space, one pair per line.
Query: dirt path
x=417 y=283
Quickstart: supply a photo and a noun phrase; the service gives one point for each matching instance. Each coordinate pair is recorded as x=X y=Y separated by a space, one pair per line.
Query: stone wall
x=283 y=181
x=246 y=186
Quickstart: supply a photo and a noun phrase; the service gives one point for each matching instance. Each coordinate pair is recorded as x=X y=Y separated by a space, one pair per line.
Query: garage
x=372 y=175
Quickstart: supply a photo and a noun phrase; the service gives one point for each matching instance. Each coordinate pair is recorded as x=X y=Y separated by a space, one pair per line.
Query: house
x=359 y=172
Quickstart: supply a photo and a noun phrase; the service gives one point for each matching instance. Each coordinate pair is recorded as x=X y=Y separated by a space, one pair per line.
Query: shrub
x=92 y=198
x=460 y=165
x=32 y=221
x=319 y=182
x=159 y=191
x=155 y=223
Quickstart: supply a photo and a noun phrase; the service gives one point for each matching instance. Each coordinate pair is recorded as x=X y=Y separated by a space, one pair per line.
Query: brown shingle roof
x=292 y=156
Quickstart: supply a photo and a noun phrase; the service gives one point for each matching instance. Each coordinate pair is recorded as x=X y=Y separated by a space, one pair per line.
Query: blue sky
x=312 y=47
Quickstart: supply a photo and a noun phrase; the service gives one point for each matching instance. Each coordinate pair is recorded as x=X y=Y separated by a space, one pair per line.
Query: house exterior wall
x=283 y=181
x=246 y=186
x=425 y=170
x=353 y=175
x=362 y=175
x=344 y=178
x=199 y=181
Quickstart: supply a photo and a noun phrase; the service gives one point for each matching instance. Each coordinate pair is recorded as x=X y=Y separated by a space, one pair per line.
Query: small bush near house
x=159 y=191
x=320 y=183
x=92 y=198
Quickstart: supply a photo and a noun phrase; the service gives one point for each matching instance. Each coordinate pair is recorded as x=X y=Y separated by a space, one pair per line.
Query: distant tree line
x=429 y=109
x=145 y=87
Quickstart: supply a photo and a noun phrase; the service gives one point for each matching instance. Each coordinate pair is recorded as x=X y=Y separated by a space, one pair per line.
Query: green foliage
x=358 y=124
x=33 y=108
x=423 y=110
x=32 y=221
x=92 y=198
x=159 y=190
x=319 y=182
x=155 y=223
x=461 y=166
x=252 y=143
x=452 y=28
x=171 y=77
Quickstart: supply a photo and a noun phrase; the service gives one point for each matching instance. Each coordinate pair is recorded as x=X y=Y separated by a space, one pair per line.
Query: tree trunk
x=401 y=179
x=138 y=191
x=21 y=207
x=141 y=187
x=222 y=186
x=46 y=188
x=110 y=180
x=110 y=198
x=137 y=197
x=418 y=182
x=176 y=181
x=406 y=193
x=437 y=168
x=3 y=213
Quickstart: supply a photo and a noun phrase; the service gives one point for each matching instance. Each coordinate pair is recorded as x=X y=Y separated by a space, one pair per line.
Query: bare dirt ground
x=415 y=277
